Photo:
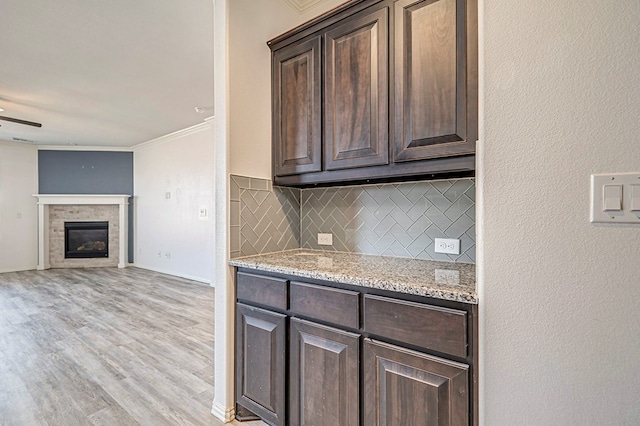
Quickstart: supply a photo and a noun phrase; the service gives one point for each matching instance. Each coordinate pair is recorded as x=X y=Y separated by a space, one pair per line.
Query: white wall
x=252 y=24
x=169 y=236
x=18 y=209
x=559 y=296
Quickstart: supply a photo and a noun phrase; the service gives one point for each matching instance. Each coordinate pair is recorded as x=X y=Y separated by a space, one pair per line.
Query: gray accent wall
x=399 y=219
x=88 y=172
x=85 y=172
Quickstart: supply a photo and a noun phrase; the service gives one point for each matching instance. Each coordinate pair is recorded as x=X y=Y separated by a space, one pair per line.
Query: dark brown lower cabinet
x=408 y=388
x=260 y=362
x=324 y=375
x=311 y=354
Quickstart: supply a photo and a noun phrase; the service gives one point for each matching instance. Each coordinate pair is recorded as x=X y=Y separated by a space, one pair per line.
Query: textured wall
x=558 y=295
x=18 y=210
x=170 y=237
x=85 y=172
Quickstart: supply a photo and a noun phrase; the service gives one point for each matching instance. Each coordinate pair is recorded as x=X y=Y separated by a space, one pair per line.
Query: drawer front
x=328 y=304
x=426 y=326
x=262 y=290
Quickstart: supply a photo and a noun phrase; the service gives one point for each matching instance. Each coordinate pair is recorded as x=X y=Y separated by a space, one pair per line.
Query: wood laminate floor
x=105 y=346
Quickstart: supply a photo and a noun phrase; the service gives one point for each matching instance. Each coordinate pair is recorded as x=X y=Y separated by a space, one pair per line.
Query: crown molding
x=82 y=148
x=180 y=133
x=302 y=5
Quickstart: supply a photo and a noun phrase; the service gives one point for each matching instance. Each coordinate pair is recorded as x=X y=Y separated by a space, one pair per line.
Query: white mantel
x=45 y=200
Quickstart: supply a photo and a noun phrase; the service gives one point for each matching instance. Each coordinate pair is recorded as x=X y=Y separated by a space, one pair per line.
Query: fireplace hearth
x=86 y=240
x=56 y=209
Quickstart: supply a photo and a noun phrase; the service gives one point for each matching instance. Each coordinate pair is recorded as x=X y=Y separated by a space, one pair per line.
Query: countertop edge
x=463 y=297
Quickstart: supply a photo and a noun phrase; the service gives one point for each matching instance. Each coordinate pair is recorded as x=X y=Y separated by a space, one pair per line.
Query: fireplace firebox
x=86 y=239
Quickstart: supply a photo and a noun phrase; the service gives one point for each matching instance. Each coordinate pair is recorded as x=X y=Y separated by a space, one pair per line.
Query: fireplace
x=86 y=240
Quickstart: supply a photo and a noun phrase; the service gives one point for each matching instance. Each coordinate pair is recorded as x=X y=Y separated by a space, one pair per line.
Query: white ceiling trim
x=82 y=148
x=180 y=133
x=302 y=5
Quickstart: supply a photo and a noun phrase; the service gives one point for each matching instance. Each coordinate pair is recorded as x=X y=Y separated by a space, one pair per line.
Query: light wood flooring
x=105 y=346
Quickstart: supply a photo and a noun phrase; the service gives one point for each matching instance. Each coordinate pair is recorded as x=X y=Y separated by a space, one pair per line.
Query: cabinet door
x=324 y=375
x=297 y=108
x=435 y=78
x=260 y=362
x=356 y=86
x=408 y=388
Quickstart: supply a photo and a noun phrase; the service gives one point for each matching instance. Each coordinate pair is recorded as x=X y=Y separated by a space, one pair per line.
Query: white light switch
x=612 y=198
x=203 y=213
x=635 y=198
x=615 y=198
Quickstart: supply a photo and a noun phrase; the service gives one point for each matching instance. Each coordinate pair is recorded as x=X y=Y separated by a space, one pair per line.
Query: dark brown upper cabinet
x=355 y=97
x=376 y=90
x=297 y=104
x=435 y=80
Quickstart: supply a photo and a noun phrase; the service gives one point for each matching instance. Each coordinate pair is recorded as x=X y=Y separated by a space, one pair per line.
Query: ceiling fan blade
x=16 y=120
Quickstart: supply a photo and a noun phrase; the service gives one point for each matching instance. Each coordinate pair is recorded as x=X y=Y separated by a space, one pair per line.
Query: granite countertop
x=441 y=280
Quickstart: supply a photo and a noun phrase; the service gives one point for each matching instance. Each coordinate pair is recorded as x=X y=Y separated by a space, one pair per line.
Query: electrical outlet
x=325 y=239
x=447 y=245
x=447 y=276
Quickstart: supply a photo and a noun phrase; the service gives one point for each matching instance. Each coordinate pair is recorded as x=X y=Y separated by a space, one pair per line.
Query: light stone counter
x=442 y=280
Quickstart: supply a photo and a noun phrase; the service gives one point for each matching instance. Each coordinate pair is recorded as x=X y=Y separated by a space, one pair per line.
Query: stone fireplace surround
x=54 y=209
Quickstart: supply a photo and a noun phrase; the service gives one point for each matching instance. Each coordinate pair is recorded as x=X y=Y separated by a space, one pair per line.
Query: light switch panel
x=615 y=198
x=612 y=195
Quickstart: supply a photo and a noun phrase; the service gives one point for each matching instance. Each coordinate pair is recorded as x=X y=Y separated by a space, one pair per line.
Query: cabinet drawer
x=262 y=290
x=325 y=304
x=426 y=326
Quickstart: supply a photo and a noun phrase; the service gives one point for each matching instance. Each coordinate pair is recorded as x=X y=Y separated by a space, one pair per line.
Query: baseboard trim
x=165 y=271
x=19 y=269
x=221 y=413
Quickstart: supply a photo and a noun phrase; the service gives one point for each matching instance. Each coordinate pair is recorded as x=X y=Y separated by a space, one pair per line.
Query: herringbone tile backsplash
x=388 y=219
x=392 y=219
x=263 y=219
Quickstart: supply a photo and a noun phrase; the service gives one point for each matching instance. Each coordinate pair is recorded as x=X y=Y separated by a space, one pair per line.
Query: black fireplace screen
x=86 y=239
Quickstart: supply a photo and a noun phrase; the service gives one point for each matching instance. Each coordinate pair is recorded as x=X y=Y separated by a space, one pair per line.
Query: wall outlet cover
x=325 y=239
x=447 y=245
x=447 y=277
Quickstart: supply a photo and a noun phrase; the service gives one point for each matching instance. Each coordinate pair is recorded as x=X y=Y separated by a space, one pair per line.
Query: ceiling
x=103 y=73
